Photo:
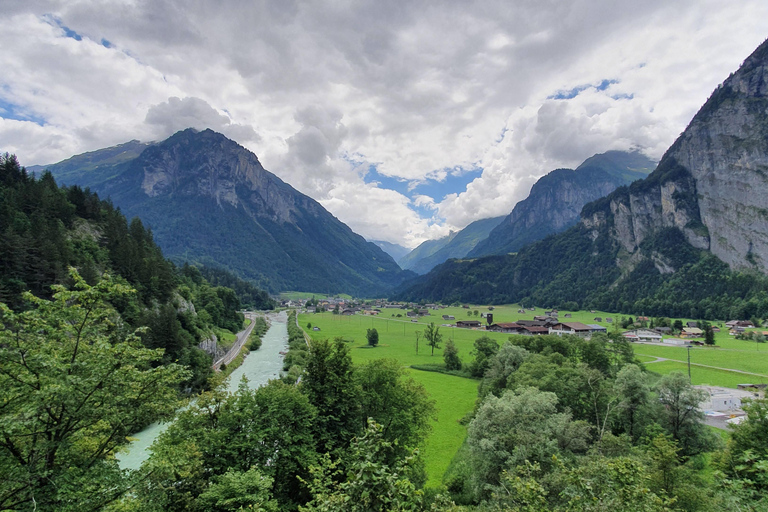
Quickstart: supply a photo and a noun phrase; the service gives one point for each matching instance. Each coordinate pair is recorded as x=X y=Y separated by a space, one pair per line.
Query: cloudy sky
x=405 y=119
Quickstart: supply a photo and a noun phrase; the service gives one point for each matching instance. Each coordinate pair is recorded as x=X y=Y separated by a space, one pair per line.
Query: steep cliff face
x=556 y=200
x=208 y=200
x=712 y=183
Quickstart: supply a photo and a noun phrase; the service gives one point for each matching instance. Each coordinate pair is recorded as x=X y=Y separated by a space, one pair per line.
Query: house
x=609 y=320
x=315 y=328
x=449 y=317
x=412 y=314
x=530 y=323
x=715 y=329
x=522 y=311
x=568 y=315
x=663 y=330
x=573 y=328
x=597 y=328
x=723 y=400
x=424 y=312
x=598 y=319
x=533 y=330
x=643 y=335
x=470 y=324
x=692 y=324
x=691 y=332
x=348 y=312
x=509 y=327
x=643 y=319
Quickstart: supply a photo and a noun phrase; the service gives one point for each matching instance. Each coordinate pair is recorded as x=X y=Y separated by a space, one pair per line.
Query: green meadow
x=455 y=396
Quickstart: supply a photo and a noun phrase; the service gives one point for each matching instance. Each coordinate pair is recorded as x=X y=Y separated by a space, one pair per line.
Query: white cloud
x=320 y=91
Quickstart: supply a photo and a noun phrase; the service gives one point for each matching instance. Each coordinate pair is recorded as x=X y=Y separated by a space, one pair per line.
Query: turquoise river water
x=258 y=367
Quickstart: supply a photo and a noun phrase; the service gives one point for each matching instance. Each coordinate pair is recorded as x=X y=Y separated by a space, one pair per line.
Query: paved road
x=242 y=337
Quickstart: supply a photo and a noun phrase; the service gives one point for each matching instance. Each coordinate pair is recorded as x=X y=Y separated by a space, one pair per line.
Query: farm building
x=573 y=328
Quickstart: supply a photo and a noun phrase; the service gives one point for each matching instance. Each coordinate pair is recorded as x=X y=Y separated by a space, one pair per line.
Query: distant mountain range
x=395 y=250
x=209 y=200
x=552 y=206
x=456 y=245
x=556 y=200
x=689 y=240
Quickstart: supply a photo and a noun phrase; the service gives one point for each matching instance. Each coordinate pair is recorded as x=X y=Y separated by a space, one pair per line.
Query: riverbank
x=257 y=368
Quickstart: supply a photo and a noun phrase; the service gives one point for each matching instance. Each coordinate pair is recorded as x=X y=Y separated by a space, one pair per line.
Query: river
x=258 y=367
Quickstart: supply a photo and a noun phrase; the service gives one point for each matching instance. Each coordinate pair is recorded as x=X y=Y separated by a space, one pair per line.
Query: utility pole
x=689 y=362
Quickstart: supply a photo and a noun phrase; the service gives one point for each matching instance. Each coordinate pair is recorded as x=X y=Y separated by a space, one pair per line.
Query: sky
x=405 y=119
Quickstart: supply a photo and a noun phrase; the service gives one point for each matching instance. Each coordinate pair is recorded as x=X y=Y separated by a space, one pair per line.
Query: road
x=242 y=337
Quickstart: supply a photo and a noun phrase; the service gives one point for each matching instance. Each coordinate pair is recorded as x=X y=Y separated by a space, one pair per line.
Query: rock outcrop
x=556 y=200
x=712 y=183
x=210 y=201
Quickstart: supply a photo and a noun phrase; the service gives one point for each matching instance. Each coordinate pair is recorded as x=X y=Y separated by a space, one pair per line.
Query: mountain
x=95 y=167
x=208 y=200
x=456 y=245
x=424 y=250
x=48 y=229
x=556 y=199
x=689 y=240
x=394 y=250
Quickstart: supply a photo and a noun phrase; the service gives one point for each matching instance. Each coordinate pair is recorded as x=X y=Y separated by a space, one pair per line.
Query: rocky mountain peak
x=206 y=163
x=711 y=183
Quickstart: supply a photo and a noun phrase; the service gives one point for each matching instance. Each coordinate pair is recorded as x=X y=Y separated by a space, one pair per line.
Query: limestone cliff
x=210 y=201
x=557 y=198
x=712 y=183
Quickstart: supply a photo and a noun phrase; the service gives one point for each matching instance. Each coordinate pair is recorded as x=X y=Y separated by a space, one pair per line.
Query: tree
x=372 y=335
x=451 y=356
x=329 y=384
x=372 y=483
x=485 y=348
x=746 y=457
x=678 y=325
x=682 y=417
x=216 y=443
x=73 y=384
x=519 y=426
x=418 y=336
x=475 y=312
x=398 y=403
x=709 y=334
x=634 y=395
x=503 y=364
x=433 y=336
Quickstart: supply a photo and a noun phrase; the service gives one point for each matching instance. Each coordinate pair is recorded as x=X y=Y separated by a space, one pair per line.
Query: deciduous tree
x=73 y=384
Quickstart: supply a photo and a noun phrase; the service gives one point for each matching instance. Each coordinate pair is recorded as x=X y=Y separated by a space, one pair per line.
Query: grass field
x=456 y=396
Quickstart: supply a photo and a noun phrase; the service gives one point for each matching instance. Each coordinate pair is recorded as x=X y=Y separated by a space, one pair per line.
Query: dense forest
x=47 y=230
x=572 y=271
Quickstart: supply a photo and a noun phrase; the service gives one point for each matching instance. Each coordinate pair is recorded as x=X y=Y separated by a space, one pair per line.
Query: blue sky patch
x=456 y=181
x=572 y=93
x=11 y=111
x=68 y=32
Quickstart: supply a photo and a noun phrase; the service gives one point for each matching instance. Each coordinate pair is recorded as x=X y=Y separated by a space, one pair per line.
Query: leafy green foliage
x=372 y=335
x=451 y=356
x=74 y=382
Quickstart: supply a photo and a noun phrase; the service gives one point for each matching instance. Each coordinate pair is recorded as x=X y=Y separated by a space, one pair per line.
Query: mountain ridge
x=556 y=199
x=689 y=240
x=208 y=200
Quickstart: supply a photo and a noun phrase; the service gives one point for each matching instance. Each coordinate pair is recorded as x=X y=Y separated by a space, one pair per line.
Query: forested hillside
x=46 y=230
